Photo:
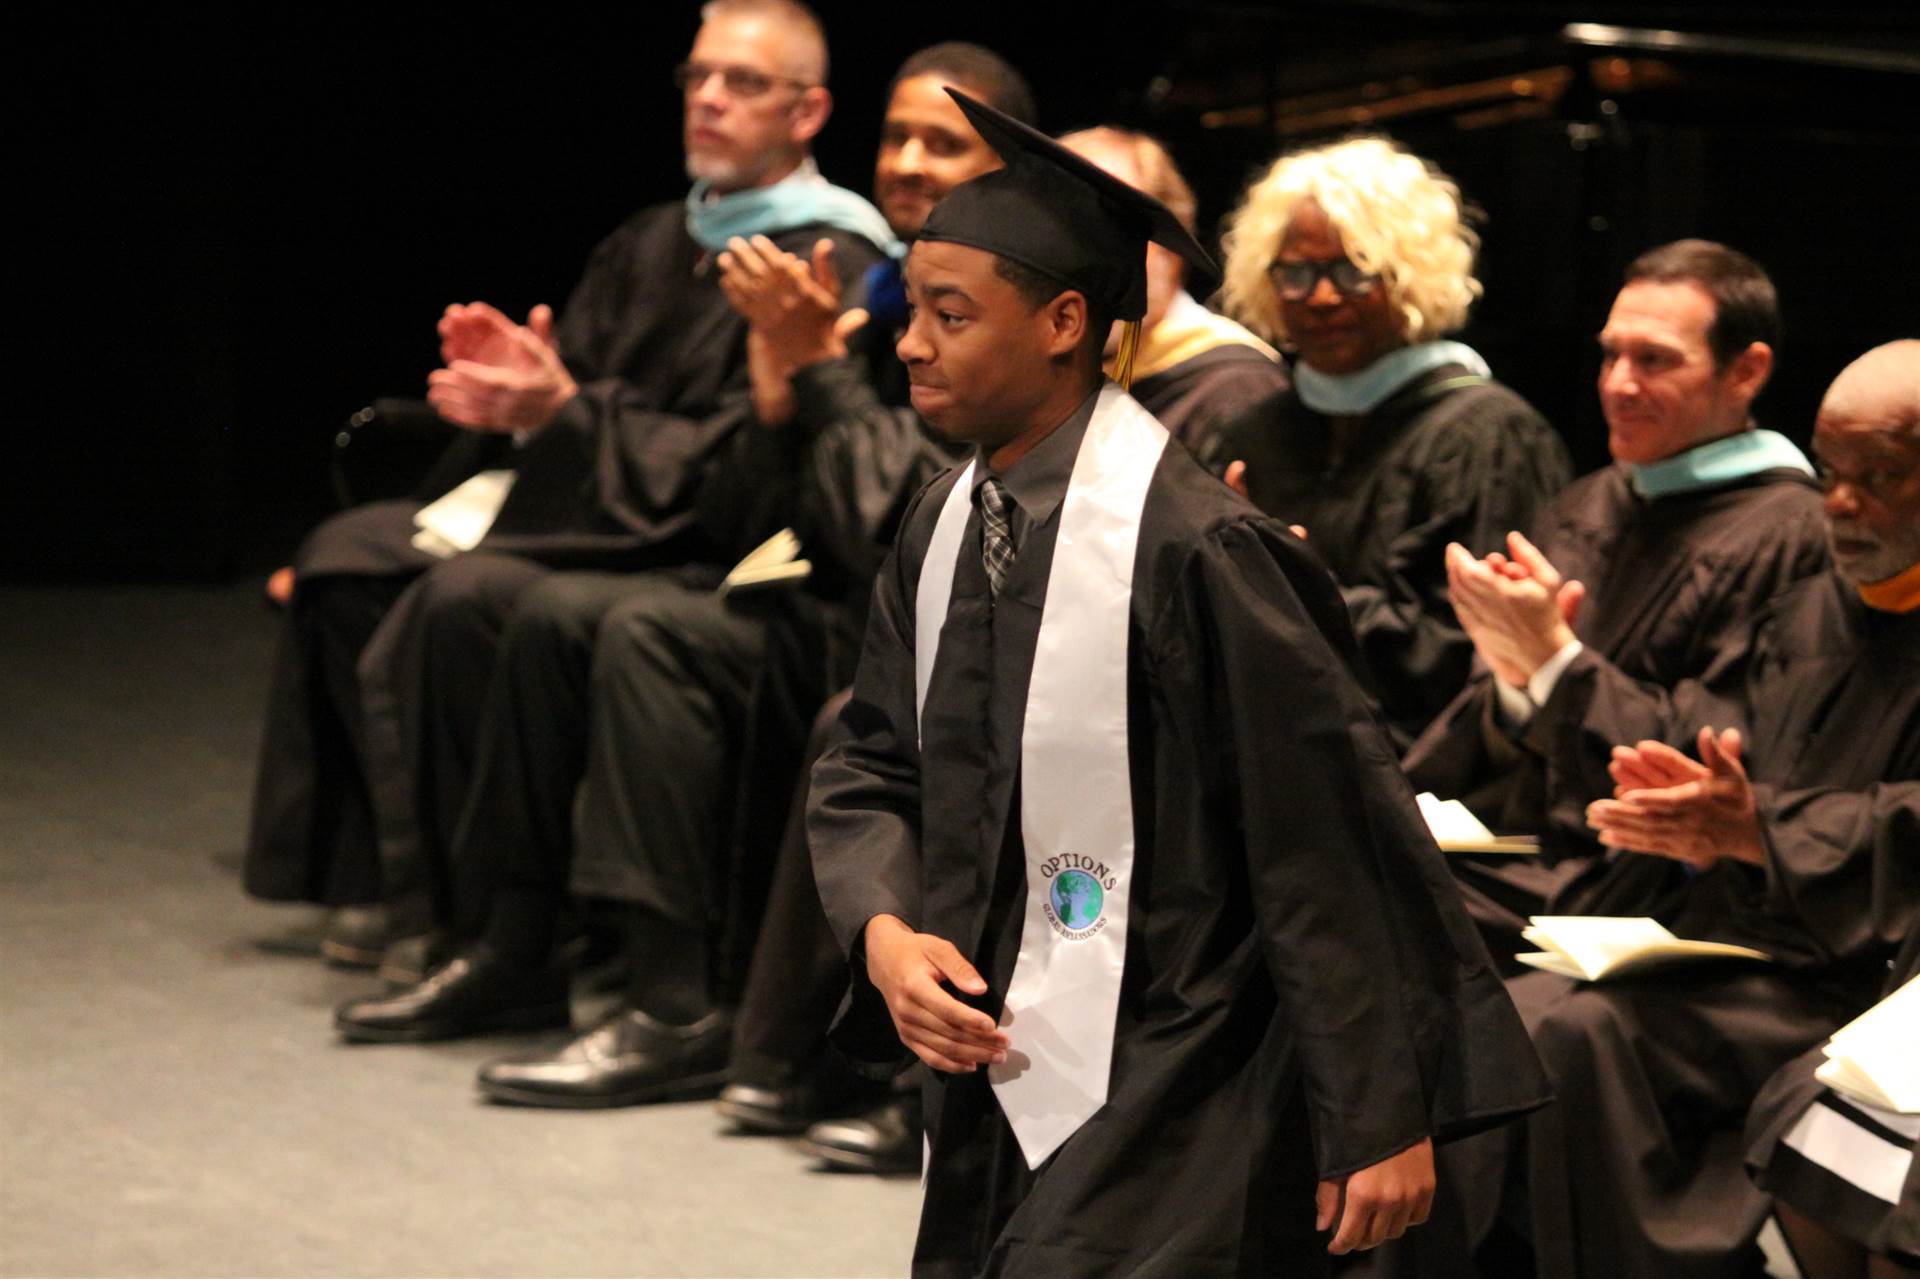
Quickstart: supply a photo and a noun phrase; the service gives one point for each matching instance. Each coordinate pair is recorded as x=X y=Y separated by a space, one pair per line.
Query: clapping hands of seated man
x=1698 y=812
x=792 y=309
x=499 y=376
x=1517 y=609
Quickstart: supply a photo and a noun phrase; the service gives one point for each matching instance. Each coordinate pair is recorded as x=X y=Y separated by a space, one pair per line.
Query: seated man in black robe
x=1639 y=576
x=1393 y=440
x=624 y=712
x=1799 y=827
x=1109 y=817
x=611 y=418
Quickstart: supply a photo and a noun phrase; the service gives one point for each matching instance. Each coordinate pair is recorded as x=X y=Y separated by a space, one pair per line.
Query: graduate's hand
x=793 y=305
x=1517 y=609
x=500 y=376
x=908 y=969
x=1709 y=817
x=1378 y=1203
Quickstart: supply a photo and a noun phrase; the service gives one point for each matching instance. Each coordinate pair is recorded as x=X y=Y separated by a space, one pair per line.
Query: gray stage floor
x=172 y=1101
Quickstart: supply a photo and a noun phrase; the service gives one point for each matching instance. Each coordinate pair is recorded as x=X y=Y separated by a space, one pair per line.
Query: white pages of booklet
x=1875 y=1058
x=457 y=521
x=1594 y=947
x=1457 y=830
x=774 y=560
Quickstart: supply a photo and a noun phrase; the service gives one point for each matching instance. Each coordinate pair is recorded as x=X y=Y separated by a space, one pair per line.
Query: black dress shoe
x=470 y=994
x=796 y=1104
x=886 y=1140
x=627 y=1060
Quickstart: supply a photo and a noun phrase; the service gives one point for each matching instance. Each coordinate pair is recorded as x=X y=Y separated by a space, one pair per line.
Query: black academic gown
x=1816 y=1189
x=1451 y=457
x=1196 y=398
x=1302 y=996
x=1638 y=1169
x=1674 y=586
x=611 y=483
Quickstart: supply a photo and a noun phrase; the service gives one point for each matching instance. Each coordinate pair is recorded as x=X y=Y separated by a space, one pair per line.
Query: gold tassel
x=1123 y=360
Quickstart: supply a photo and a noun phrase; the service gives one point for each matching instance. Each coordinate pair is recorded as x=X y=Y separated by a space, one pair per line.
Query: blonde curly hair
x=1398 y=216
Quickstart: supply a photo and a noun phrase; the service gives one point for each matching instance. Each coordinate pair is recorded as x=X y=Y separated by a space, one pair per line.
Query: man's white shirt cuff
x=1517 y=705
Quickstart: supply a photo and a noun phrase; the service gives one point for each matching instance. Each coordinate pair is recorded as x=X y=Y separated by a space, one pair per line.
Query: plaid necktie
x=996 y=542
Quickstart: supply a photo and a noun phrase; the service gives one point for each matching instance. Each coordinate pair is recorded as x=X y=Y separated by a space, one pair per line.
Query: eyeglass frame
x=691 y=76
x=1363 y=282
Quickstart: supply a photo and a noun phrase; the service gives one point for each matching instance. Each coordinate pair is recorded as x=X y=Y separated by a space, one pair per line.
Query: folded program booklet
x=1873 y=1059
x=1457 y=830
x=775 y=560
x=457 y=521
x=1596 y=947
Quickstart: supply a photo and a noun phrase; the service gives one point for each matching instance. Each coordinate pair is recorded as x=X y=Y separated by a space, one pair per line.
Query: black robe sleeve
x=1844 y=863
x=640 y=456
x=863 y=810
x=1493 y=469
x=1403 y=1030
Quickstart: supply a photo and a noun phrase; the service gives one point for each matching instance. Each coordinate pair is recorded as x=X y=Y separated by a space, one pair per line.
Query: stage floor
x=172 y=1099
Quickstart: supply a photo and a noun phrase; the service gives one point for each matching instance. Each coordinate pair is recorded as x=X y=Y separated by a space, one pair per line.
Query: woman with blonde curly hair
x=1393 y=440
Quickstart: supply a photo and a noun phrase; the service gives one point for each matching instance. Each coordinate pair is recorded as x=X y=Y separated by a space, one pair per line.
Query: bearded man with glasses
x=1392 y=442
x=615 y=419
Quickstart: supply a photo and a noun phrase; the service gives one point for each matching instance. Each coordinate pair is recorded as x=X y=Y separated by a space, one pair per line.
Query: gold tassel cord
x=1123 y=360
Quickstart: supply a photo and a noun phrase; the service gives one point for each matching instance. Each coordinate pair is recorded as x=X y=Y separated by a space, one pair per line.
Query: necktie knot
x=996 y=532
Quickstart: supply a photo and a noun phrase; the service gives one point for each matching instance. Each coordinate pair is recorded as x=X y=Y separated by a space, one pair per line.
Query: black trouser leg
x=672 y=681
x=311 y=833
x=798 y=974
x=514 y=843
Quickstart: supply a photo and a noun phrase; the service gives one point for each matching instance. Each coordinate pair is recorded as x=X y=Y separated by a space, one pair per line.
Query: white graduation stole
x=1076 y=799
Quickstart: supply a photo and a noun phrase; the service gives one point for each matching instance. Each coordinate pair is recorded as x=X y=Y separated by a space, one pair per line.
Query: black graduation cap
x=1061 y=215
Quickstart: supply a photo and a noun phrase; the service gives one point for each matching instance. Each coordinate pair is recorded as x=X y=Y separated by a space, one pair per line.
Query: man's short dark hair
x=979 y=70
x=1745 y=307
x=1037 y=288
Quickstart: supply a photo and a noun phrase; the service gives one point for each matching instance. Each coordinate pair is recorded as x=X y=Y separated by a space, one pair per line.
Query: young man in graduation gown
x=1193 y=371
x=613 y=420
x=633 y=725
x=1109 y=819
x=1799 y=827
x=1651 y=572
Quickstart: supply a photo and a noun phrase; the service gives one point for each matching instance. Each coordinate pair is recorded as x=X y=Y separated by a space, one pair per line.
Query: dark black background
x=244 y=230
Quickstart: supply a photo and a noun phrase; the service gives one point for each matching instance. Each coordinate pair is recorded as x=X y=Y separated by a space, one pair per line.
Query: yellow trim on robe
x=1897 y=594
x=1189 y=329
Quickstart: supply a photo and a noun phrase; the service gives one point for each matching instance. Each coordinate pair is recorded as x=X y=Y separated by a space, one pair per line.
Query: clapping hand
x=1670 y=806
x=499 y=376
x=793 y=306
x=1517 y=609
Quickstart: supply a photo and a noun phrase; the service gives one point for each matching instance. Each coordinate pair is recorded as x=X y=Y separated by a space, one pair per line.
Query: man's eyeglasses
x=1296 y=281
x=741 y=82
